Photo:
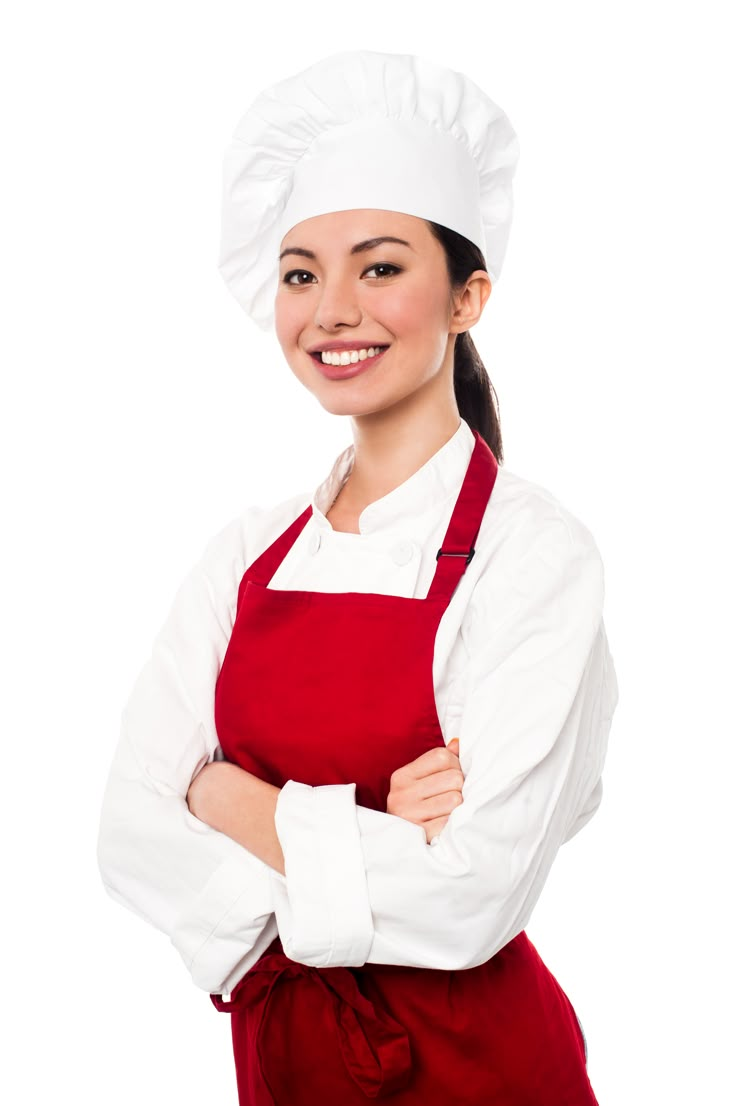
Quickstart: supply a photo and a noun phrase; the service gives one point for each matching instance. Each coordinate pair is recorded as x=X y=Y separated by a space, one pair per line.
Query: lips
x=341 y=347
x=344 y=372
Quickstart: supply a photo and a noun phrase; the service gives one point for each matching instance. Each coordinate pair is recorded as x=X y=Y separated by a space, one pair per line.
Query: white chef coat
x=523 y=676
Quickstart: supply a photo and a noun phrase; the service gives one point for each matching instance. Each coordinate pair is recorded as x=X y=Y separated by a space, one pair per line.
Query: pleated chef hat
x=362 y=129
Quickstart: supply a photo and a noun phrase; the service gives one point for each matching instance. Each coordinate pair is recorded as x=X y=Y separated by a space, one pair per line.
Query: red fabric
x=325 y=688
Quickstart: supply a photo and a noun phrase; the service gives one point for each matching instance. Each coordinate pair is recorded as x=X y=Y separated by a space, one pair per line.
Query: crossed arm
x=363 y=885
x=243 y=806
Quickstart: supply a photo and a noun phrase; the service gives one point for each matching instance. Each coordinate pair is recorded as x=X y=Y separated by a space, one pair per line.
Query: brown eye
x=296 y=272
x=393 y=269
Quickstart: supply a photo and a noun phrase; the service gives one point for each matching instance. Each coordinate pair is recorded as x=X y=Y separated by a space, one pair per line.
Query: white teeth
x=348 y=356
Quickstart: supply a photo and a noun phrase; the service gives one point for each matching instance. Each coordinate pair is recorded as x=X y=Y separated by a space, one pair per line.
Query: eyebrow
x=359 y=247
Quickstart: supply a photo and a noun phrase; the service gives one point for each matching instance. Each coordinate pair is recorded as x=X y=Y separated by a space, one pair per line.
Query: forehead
x=343 y=229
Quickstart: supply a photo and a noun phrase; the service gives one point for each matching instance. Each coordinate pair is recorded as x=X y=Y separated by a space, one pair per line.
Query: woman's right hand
x=427 y=790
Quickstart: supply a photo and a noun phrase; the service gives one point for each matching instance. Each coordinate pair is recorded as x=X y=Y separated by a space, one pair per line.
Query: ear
x=469 y=302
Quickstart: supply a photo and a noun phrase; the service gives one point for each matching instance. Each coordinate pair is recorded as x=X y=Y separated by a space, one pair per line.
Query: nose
x=337 y=304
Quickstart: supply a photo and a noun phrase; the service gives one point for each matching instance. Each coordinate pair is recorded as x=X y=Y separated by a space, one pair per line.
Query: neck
x=391 y=446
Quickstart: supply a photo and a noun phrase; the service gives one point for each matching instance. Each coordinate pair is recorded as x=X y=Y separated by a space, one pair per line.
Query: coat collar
x=439 y=477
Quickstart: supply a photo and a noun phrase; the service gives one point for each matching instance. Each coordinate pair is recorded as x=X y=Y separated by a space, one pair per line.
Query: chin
x=353 y=407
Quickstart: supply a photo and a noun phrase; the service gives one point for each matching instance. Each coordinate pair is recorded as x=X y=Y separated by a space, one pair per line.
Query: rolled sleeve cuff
x=225 y=922
x=321 y=903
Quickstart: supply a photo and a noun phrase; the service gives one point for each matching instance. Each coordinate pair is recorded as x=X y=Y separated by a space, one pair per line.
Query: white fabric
x=523 y=676
x=422 y=171
x=362 y=129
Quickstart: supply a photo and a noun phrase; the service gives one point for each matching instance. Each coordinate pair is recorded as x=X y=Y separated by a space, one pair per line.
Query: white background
x=142 y=410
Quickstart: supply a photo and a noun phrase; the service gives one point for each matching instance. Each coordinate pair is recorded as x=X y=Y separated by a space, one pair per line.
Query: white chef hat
x=362 y=129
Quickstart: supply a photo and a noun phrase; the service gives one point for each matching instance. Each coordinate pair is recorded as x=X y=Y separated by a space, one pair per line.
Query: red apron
x=326 y=688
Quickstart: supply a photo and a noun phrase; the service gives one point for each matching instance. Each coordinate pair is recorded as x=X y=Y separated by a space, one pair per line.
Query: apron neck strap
x=458 y=545
x=457 y=549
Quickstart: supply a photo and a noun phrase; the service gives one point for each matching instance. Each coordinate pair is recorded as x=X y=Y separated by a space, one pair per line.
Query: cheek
x=283 y=323
x=289 y=313
x=411 y=311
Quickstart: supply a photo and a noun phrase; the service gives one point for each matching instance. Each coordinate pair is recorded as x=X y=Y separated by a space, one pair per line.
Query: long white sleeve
x=364 y=886
x=210 y=895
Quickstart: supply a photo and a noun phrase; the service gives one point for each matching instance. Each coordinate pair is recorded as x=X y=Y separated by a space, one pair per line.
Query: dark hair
x=475 y=395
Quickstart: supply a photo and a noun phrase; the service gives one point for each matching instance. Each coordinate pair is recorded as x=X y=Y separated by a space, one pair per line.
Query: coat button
x=315 y=541
x=403 y=553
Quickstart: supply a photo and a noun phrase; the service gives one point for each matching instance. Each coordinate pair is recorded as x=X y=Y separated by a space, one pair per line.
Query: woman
x=284 y=801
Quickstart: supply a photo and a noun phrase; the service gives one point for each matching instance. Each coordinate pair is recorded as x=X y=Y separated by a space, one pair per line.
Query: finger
x=434 y=760
x=415 y=809
x=449 y=779
x=433 y=828
x=437 y=806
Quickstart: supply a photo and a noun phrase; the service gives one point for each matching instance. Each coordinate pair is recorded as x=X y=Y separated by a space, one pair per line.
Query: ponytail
x=475 y=395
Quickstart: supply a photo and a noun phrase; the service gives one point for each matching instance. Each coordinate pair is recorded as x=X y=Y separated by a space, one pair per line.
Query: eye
x=296 y=272
x=388 y=270
x=393 y=268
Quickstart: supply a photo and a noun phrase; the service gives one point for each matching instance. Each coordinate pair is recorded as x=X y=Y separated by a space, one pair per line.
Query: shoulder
x=204 y=602
x=245 y=535
x=535 y=556
x=525 y=515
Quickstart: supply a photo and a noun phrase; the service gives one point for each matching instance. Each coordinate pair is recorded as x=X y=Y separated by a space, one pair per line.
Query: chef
x=348 y=884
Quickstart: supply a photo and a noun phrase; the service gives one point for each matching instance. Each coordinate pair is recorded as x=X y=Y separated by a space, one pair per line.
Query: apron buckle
x=444 y=553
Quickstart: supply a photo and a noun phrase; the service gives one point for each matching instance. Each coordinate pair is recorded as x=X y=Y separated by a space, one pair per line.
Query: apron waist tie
x=375 y=1047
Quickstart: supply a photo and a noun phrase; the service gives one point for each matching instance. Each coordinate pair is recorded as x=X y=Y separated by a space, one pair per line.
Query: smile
x=348 y=356
x=347 y=363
